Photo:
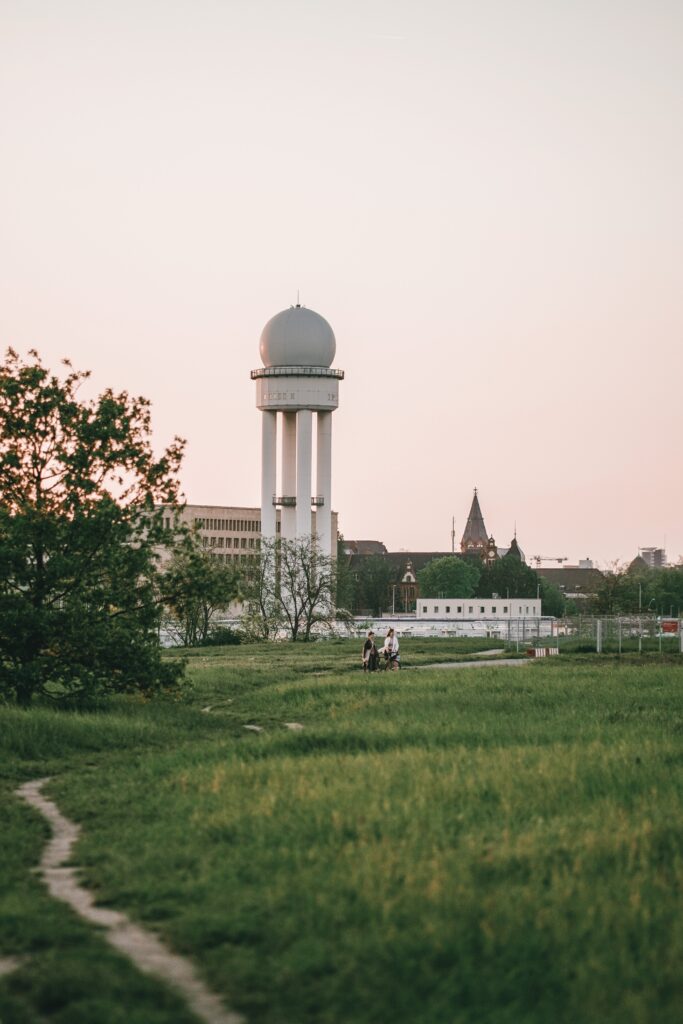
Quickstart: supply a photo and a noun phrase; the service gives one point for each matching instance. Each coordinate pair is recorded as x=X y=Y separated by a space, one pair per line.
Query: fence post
x=598 y=636
x=619 y=627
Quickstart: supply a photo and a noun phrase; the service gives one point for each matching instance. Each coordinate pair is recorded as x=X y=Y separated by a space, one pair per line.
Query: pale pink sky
x=484 y=199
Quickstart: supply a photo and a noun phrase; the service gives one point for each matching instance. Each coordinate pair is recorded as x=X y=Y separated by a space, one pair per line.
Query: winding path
x=146 y=951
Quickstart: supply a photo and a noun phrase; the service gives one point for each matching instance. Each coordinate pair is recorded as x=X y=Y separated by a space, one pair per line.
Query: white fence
x=582 y=634
x=511 y=631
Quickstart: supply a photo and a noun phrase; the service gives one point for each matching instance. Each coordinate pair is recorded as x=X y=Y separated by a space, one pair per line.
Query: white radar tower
x=297 y=348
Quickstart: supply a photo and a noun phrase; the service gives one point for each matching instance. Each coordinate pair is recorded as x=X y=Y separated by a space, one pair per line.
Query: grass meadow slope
x=498 y=845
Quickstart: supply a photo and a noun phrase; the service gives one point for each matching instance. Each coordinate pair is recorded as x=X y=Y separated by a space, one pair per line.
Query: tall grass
x=484 y=846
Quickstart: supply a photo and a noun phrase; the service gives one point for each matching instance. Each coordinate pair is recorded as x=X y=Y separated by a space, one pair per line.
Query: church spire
x=475 y=538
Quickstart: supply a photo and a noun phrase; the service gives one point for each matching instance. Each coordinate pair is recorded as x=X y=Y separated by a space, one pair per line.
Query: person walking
x=370 y=654
x=390 y=649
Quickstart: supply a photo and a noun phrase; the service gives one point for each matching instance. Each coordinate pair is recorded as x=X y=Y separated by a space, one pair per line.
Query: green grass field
x=489 y=845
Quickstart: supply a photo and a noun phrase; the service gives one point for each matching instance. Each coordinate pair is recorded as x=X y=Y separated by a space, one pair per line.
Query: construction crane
x=549 y=558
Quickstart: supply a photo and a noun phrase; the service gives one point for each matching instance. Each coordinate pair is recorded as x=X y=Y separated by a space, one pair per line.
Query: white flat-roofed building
x=507 y=618
x=479 y=608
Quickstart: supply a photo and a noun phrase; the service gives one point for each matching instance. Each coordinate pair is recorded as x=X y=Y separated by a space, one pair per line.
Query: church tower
x=475 y=539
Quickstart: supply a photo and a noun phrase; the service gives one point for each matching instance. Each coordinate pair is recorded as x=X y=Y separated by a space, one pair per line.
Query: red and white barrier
x=542 y=652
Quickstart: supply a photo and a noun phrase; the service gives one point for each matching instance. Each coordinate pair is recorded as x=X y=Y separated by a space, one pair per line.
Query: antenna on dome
x=298 y=303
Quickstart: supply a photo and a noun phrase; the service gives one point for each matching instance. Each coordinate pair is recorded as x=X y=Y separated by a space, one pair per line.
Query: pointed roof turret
x=475 y=536
x=514 y=548
x=638 y=565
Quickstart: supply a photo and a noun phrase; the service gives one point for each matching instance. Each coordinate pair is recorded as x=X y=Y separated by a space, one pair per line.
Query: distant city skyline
x=483 y=200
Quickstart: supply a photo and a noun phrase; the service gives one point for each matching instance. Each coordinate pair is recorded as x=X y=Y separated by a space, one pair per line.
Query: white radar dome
x=297 y=337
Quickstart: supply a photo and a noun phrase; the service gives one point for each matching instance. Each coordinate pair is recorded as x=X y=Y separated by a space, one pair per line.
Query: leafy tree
x=373 y=578
x=620 y=591
x=262 y=615
x=80 y=525
x=346 y=579
x=364 y=582
x=196 y=585
x=508 y=576
x=553 y=601
x=667 y=590
x=448 y=577
x=307 y=585
x=639 y=589
x=291 y=590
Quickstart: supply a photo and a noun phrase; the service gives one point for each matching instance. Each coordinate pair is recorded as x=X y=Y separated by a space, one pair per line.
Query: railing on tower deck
x=296 y=371
x=289 y=501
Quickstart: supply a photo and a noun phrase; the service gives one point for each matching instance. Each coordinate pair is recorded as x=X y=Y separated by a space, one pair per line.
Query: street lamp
x=649 y=609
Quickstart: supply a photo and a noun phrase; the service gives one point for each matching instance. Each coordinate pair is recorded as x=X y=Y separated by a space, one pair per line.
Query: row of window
x=229 y=542
x=237 y=525
x=470 y=610
x=222 y=557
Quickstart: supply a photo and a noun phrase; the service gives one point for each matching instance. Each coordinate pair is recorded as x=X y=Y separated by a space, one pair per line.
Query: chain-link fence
x=581 y=634
x=619 y=634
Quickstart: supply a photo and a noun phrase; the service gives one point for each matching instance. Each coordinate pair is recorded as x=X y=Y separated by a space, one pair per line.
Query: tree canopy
x=289 y=589
x=448 y=577
x=374 y=576
x=508 y=576
x=364 y=582
x=553 y=601
x=639 y=588
x=80 y=526
x=196 y=585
